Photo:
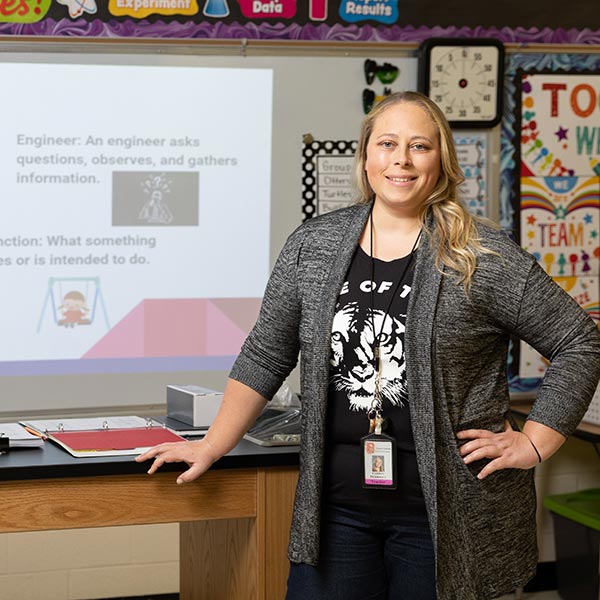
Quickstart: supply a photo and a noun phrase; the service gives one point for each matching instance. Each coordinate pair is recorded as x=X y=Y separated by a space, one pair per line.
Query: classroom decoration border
x=85 y=18
x=510 y=168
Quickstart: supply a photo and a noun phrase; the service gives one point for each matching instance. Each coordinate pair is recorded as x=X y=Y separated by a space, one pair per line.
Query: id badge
x=379 y=461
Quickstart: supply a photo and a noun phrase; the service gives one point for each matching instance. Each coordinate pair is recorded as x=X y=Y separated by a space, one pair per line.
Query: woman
x=402 y=307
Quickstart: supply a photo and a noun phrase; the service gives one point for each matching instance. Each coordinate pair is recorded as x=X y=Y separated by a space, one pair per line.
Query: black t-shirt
x=352 y=381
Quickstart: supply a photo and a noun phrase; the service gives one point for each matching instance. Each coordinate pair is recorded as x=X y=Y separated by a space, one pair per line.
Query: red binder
x=112 y=442
x=103 y=436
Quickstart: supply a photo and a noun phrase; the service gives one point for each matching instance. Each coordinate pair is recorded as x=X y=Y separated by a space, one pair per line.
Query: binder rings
x=116 y=436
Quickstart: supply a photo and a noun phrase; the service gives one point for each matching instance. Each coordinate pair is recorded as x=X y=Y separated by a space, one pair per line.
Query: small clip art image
x=73 y=301
x=73 y=310
x=78 y=7
x=155 y=210
x=216 y=9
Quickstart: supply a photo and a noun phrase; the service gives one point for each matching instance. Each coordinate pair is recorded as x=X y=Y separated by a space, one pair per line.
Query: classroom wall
x=132 y=561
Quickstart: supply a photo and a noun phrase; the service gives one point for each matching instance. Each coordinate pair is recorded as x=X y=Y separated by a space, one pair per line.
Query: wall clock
x=464 y=77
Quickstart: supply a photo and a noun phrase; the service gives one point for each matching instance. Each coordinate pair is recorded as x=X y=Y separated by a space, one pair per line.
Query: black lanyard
x=377 y=337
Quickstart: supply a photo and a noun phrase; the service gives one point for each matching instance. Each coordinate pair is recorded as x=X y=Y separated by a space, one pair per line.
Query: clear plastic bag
x=284 y=396
x=276 y=427
x=279 y=422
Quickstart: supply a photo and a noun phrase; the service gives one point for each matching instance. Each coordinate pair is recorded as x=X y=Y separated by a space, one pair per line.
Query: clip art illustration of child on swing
x=71 y=309
x=74 y=310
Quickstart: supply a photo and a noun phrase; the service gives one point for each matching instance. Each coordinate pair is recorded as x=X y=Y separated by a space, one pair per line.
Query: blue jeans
x=368 y=557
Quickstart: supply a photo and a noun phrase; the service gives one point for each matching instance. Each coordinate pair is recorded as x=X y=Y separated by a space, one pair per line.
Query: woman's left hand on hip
x=509 y=449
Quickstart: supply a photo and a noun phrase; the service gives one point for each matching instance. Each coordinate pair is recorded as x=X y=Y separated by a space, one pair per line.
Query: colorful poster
x=560 y=187
x=516 y=133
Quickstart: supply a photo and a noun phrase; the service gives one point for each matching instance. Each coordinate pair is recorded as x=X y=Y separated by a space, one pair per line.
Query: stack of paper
x=19 y=437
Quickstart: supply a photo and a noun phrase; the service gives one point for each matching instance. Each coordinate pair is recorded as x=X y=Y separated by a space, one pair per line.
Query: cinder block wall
x=81 y=564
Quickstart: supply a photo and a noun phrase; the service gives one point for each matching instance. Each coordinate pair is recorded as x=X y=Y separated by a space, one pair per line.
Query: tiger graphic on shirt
x=352 y=365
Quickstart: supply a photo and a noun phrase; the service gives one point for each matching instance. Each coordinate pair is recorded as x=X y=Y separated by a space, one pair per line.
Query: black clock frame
x=424 y=55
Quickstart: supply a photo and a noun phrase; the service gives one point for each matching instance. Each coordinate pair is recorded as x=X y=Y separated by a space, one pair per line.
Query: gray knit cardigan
x=456 y=354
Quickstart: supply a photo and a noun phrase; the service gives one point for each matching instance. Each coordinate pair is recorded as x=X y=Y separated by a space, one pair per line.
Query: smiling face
x=403 y=158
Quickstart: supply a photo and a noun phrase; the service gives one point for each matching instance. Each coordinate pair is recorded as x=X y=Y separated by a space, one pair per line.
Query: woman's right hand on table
x=197 y=455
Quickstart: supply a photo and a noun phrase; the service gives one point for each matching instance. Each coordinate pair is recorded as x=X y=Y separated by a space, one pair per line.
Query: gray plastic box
x=193 y=404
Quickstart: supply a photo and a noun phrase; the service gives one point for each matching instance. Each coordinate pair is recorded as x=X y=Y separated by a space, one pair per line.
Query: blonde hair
x=454 y=230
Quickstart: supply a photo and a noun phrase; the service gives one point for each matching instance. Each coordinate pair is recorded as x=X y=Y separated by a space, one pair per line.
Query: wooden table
x=234 y=520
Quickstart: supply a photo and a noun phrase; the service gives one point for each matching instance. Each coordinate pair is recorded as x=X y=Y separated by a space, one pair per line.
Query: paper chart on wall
x=471 y=151
x=326 y=175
